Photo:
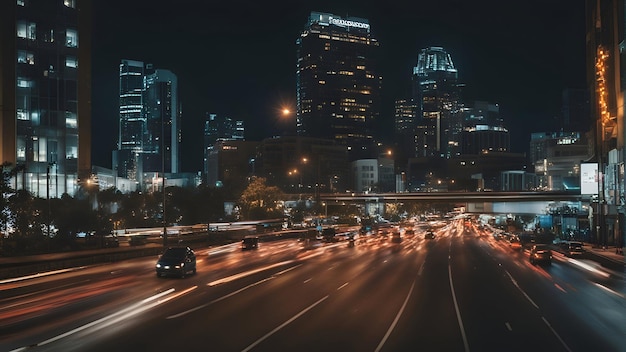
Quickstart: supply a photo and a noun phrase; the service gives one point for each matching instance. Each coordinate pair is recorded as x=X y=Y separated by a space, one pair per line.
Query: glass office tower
x=437 y=92
x=149 y=122
x=45 y=94
x=337 y=84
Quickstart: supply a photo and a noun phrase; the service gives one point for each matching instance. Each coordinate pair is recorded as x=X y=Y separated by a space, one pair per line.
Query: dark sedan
x=176 y=261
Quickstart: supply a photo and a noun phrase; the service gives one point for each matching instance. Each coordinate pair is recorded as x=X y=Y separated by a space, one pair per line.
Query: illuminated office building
x=337 y=83
x=483 y=130
x=218 y=129
x=436 y=92
x=149 y=122
x=45 y=94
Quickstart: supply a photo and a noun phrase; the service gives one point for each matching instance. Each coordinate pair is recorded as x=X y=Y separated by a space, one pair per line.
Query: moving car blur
x=540 y=253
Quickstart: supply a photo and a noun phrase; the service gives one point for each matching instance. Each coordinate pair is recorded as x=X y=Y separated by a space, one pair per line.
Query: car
x=574 y=248
x=409 y=231
x=396 y=237
x=176 y=261
x=515 y=244
x=429 y=235
x=249 y=242
x=540 y=253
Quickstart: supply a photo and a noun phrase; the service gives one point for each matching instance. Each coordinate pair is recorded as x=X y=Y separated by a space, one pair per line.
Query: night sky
x=237 y=58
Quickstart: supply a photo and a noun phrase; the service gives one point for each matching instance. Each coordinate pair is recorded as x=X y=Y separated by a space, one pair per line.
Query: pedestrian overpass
x=525 y=202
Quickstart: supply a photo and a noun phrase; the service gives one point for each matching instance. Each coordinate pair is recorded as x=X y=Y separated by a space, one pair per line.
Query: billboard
x=589 y=178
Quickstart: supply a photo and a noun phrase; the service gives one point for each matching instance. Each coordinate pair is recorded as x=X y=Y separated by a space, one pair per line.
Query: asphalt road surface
x=461 y=291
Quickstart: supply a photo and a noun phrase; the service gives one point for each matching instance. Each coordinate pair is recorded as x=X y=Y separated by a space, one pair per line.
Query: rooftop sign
x=347 y=23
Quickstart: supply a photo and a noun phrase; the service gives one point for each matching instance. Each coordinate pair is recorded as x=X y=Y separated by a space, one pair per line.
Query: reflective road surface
x=461 y=291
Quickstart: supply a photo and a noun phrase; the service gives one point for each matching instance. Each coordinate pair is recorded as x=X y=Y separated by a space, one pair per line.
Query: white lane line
x=395 y=321
x=307 y=280
x=508 y=326
x=522 y=291
x=458 y=313
x=247 y=273
x=342 y=286
x=217 y=300
x=419 y=273
x=284 y=324
x=557 y=335
x=231 y=294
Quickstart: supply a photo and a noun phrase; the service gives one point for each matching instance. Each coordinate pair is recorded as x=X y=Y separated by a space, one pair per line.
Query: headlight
x=158 y=265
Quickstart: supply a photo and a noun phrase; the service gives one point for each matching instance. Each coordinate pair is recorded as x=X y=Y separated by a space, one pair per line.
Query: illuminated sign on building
x=348 y=23
x=589 y=178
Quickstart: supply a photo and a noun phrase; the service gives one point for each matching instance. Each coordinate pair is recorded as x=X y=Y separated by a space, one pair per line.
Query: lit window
x=25 y=57
x=24 y=83
x=22 y=114
x=71 y=38
x=26 y=30
x=70 y=120
x=71 y=61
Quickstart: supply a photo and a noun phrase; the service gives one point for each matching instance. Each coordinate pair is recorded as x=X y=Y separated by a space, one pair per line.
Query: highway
x=461 y=291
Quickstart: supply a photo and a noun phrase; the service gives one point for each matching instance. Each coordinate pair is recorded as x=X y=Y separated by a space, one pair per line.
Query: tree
x=260 y=201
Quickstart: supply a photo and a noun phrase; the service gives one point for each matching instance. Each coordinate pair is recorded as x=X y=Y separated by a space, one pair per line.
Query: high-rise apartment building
x=337 y=82
x=149 y=121
x=45 y=94
x=436 y=92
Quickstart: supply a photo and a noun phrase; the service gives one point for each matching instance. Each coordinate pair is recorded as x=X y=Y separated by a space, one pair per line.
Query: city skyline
x=239 y=59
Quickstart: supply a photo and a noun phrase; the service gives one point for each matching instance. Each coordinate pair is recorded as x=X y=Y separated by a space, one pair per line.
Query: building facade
x=149 y=123
x=483 y=130
x=45 y=94
x=436 y=91
x=219 y=128
x=303 y=165
x=373 y=175
x=338 y=86
x=606 y=78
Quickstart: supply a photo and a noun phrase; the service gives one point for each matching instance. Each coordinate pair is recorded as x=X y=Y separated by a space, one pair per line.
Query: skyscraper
x=45 y=93
x=436 y=92
x=149 y=121
x=219 y=128
x=337 y=84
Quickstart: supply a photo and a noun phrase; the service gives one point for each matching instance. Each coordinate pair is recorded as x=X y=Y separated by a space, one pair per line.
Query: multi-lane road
x=462 y=291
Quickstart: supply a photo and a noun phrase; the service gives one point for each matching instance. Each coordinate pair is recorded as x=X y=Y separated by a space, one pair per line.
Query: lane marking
x=247 y=273
x=284 y=324
x=456 y=307
x=522 y=291
x=557 y=335
x=307 y=280
x=508 y=326
x=342 y=286
x=395 y=321
x=419 y=273
x=231 y=294
x=217 y=299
